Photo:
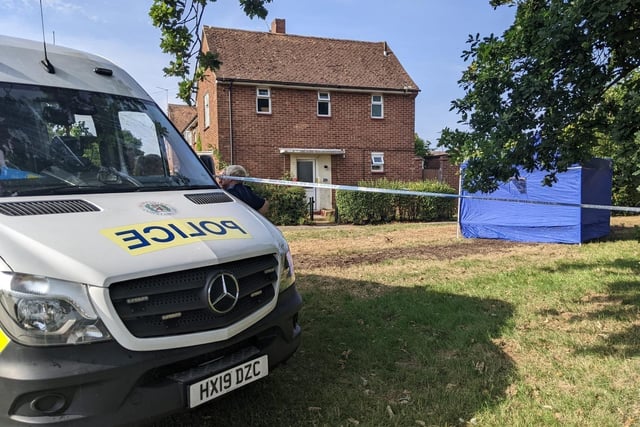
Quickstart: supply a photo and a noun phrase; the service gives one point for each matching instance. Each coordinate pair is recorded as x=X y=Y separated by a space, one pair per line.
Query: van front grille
x=178 y=303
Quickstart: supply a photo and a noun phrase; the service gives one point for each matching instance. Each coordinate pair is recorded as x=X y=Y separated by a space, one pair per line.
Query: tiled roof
x=277 y=58
x=181 y=115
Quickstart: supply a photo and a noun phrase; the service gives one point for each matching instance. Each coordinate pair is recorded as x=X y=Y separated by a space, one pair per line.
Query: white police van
x=131 y=285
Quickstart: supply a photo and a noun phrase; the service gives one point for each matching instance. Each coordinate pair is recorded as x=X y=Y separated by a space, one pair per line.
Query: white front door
x=306 y=172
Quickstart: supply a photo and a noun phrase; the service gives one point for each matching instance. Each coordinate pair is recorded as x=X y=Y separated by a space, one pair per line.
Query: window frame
x=324 y=100
x=262 y=97
x=377 y=165
x=376 y=103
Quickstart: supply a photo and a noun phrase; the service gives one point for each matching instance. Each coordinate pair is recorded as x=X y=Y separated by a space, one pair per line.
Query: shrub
x=370 y=207
x=360 y=207
x=287 y=205
x=429 y=208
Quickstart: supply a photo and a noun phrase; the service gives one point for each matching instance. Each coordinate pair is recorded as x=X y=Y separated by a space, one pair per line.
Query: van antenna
x=49 y=67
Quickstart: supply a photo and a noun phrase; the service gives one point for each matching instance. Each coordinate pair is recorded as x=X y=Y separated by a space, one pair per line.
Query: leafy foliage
x=536 y=96
x=622 y=143
x=422 y=208
x=421 y=147
x=363 y=207
x=287 y=205
x=179 y=22
x=370 y=207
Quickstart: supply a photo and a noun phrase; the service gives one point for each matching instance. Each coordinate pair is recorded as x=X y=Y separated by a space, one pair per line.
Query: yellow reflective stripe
x=153 y=236
x=4 y=340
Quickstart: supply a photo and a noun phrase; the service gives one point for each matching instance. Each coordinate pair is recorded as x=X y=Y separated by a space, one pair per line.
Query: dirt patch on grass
x=309 y=258
x=431 y=242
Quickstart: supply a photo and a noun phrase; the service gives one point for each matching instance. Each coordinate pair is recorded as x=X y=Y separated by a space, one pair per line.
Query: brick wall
x=439 y=168
x=293 y=123
x=208 y=135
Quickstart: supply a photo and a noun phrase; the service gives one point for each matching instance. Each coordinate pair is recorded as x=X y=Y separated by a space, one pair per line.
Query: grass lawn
x=411 y=325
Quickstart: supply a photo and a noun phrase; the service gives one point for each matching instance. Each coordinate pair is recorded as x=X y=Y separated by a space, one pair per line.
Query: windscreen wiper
x=52 y=189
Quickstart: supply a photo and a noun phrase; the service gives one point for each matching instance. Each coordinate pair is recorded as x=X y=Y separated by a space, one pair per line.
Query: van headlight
x=287 y=274
x=42 y=311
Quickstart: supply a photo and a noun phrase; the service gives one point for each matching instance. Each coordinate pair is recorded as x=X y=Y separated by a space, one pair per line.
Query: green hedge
x=287 y=205
x=370 y=208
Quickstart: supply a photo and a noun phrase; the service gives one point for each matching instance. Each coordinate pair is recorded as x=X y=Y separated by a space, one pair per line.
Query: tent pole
x=459 y=201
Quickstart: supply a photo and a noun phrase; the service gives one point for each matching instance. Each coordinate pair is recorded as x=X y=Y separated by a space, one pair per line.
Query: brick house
x=315 y=109
x=184 y=118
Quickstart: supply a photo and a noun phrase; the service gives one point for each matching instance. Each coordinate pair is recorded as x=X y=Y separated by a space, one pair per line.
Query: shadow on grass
x=621 y=304
x=613 y=266
x=623 y=232
x=374 y=354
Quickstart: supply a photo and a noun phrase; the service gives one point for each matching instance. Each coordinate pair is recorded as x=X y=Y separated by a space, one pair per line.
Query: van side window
x=140 y=139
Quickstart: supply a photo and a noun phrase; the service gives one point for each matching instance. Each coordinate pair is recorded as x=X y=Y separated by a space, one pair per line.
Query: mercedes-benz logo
x=223 y=293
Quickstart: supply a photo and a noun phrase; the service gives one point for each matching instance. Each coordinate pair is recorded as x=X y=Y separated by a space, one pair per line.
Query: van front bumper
x=105 y=384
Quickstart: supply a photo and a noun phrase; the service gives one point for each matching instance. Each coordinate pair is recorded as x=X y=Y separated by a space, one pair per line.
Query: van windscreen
x=62 y=141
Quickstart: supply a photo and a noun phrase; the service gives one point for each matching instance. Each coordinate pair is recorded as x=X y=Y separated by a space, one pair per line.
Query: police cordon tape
x=426 y=193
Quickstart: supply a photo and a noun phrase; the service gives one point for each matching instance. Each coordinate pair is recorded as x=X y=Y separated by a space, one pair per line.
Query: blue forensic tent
x=558 y=218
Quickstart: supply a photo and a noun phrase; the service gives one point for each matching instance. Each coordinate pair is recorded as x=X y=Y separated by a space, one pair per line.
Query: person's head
x=149 y=164
x=232 y=170
x=235 y=170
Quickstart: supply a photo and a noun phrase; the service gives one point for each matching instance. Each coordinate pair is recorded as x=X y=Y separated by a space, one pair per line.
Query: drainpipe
x=231 y=122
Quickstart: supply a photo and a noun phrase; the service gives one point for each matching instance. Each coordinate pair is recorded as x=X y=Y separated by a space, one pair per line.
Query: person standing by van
x=241 y=191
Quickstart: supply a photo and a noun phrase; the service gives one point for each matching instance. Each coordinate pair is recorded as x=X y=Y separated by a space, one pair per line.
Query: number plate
x=226 y=381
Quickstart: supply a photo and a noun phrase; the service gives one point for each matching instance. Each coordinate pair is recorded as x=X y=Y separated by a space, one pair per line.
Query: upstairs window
x=263 y=100
x=377 y=107
x=207 y=113
x=324 y=104
x=377 y=162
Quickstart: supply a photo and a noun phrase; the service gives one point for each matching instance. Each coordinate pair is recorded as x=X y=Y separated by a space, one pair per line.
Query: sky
x=427 y=36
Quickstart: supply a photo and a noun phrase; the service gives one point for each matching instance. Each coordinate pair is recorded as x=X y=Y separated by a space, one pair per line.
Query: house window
x=263 y=100
x=207 y=118
x=377 y=162
x=324 y=104
x=377 y=107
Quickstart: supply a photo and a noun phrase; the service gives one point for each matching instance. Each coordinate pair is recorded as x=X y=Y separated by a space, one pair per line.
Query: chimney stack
x=278 y=26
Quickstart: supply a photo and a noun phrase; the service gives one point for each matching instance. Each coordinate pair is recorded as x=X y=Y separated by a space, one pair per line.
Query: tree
x=622 y=143
x=179 y=22
x=536 y=96
x=420 y=146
